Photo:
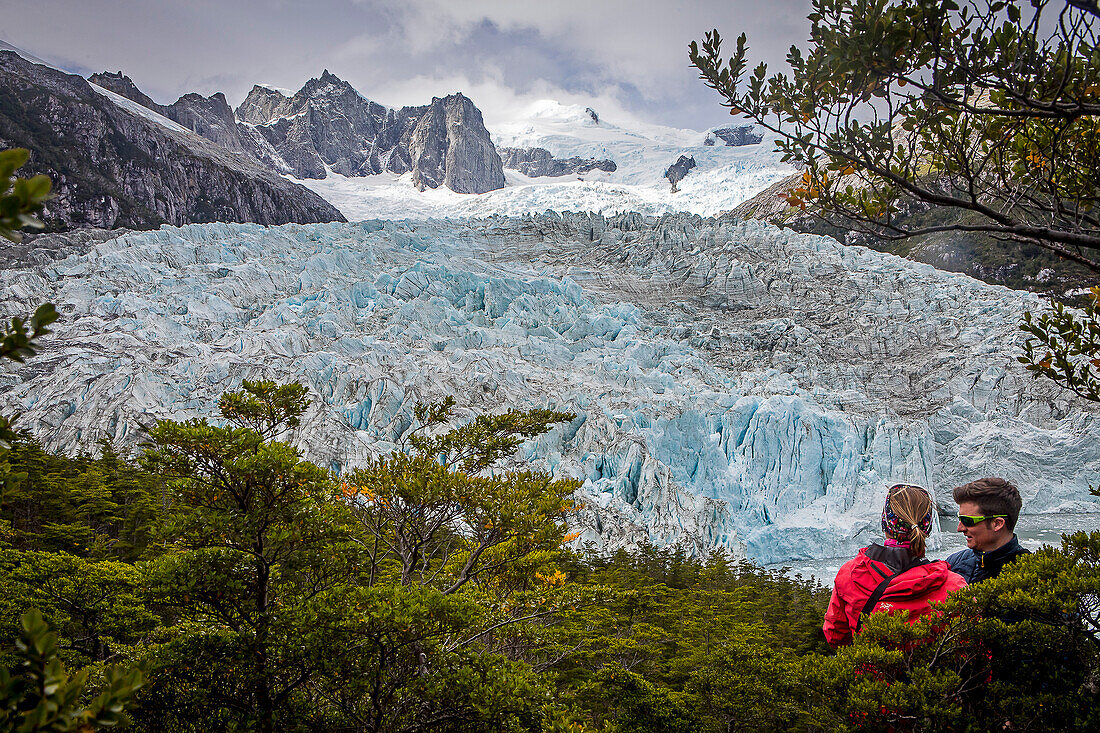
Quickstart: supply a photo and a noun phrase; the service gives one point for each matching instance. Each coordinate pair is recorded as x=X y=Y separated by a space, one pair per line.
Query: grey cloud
x=634 y=51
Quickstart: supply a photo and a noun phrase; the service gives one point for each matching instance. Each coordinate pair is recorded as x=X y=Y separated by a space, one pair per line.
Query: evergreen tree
x=254 y=535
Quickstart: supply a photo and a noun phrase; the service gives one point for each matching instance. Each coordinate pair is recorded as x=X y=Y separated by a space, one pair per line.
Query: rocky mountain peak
x=535 y=162
x=327 y=87
x=451 y=147
x=262 y=105
x=211 y=117
x=113 y=166
x=734 y=135
x=328 y=125
x=123 y=86
x=679 y=169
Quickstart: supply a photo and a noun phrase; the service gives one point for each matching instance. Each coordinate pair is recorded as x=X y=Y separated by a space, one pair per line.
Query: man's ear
x=998 y=523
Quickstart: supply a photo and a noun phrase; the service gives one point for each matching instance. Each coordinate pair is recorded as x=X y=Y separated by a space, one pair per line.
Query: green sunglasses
x=969 y=521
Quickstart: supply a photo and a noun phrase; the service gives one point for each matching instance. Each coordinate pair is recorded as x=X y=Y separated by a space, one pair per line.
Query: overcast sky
x=626 y=59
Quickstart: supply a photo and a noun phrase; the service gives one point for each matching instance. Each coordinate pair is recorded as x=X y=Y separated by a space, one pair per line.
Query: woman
x=893 y=576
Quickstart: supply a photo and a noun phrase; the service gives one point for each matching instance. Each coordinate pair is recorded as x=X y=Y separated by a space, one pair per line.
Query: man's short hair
x=993 y=496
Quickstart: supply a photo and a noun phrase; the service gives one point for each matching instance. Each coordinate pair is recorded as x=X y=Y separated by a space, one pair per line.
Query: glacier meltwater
x=735 y=385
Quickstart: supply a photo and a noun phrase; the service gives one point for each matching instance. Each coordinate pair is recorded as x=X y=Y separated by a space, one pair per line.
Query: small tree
x=463 y=558
x=256 y=535
x=297 y=606
x=444 y=525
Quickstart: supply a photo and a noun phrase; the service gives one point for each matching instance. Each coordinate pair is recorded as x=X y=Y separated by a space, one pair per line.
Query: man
x=988 y=510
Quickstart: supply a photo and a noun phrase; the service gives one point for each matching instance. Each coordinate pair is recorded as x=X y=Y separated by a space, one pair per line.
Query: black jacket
x=976 y=566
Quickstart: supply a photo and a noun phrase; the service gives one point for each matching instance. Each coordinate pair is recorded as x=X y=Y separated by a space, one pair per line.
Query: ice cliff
x=735 y=384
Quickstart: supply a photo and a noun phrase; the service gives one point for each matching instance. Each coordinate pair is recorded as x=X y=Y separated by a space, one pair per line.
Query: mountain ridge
x=111 y=167
x=1017 y=265
x=328 y=125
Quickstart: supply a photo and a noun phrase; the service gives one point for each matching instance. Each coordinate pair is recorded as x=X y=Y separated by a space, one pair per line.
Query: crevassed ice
x=735 y=385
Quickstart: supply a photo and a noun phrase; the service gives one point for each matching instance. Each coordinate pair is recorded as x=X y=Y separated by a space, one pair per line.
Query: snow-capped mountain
x=373 y=161
x=735 y=384
x=724 y=176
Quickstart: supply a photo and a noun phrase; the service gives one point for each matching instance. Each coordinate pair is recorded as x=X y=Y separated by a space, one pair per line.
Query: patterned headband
x=896 y=528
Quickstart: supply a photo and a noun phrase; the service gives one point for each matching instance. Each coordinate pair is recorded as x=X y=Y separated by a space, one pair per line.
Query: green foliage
x=97 y=607
x=293 y=601
x=92 y=507
x=436 y=523
x=40 y=695
x=747 y=682
x=17 y=341
x=20 y=198
x=483 y=441
x=412 y=595
x=1018 y=651
x=397 y=663
x=1064 y=346
x=681 y=633
x=18 y=338
x=986 y=106
x=255 y=533
x=265 y=407
x=639 y=706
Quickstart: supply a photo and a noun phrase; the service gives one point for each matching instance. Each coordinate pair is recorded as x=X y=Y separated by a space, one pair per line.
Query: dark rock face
x=678 y=170
x=536 y=162
x=328 y=123
x=123 y=86
x=451 y=147
x=591 y=113
x=734 y=135
x=263 y=105
x=111 y=168
x=209 y=117
x=325 y=122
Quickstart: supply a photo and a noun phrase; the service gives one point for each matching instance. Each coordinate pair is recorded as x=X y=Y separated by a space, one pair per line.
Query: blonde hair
x=912 y=505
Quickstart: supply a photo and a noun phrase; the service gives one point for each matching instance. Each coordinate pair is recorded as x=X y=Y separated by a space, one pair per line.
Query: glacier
x=735 y=385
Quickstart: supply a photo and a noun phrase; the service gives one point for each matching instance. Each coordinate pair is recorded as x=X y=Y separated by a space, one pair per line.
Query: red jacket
x=910 y=592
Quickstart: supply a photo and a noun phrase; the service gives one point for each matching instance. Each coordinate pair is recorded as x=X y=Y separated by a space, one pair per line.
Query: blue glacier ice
x=735 y=385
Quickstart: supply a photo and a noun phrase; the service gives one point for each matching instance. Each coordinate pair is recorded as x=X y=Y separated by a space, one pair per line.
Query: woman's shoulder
x=855 y=565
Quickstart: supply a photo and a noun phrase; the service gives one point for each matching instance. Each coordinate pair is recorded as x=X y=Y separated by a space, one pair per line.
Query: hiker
x=893 y=576
x=988 y=510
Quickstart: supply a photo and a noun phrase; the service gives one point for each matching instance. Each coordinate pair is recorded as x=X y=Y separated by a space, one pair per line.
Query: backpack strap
x=880 y=589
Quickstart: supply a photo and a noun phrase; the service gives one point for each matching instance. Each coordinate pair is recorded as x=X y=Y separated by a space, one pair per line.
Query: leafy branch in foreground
x=1064 y=346
x=40 y=695
x=987 y=107
x=18 y=338
x=20 y=198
